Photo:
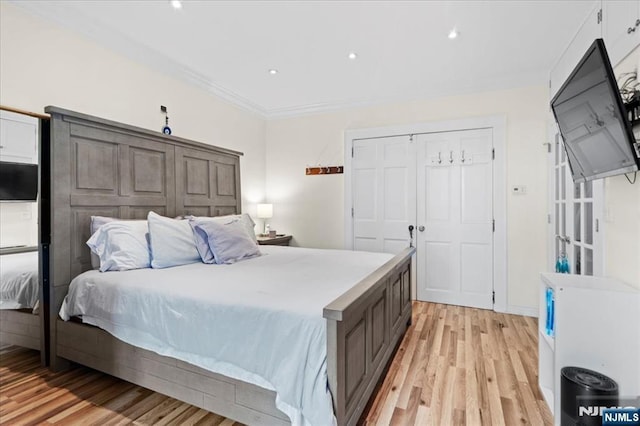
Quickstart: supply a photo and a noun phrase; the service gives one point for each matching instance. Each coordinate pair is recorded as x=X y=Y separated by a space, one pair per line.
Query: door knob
x=421 y=228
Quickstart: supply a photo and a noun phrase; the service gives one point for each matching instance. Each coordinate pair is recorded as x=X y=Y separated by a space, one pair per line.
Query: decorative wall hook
x=324 y=170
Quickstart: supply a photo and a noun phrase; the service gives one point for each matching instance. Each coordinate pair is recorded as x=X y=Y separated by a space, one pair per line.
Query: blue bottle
x=547 y=326
x=551 y=318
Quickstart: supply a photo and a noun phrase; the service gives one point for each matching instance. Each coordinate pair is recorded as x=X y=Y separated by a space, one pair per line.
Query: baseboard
x=527 y=311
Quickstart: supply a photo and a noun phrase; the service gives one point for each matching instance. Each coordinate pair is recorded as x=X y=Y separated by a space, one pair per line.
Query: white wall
x=311 y=207
x=622 y=211
x=42 y=64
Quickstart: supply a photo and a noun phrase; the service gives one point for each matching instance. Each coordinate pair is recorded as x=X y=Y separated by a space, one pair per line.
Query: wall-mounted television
x=18 y=182
x=593 y=120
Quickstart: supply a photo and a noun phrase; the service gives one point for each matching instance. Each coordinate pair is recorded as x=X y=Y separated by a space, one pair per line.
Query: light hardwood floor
x=455 y=366
x=461 y=366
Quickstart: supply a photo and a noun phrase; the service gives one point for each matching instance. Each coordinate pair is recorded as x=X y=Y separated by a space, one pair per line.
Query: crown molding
x=489 y=85
x=121 y=44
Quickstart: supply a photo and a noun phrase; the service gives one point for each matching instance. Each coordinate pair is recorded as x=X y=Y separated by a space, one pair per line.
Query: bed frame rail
x=21 y=328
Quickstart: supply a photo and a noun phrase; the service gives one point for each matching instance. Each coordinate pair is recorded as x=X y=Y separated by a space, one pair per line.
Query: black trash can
x=583 y=392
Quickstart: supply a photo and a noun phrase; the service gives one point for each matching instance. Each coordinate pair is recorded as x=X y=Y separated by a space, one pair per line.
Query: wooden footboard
x=364 y=326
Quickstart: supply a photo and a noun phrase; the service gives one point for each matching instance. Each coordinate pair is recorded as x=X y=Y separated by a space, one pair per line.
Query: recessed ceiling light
x=353 y=55
x=273 y=71
x=177 y=4
x=453 y=34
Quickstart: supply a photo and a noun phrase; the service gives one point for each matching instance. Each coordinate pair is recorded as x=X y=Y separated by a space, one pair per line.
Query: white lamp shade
x=265 y=211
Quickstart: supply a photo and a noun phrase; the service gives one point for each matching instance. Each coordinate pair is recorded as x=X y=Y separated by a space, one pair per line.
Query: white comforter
x=19 y=280
x=258 y=320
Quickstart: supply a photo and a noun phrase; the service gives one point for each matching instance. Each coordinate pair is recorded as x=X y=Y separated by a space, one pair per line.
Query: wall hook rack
x=324 y=170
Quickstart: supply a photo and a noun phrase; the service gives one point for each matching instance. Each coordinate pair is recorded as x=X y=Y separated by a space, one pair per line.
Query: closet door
x=455 y=218
x=384 y=187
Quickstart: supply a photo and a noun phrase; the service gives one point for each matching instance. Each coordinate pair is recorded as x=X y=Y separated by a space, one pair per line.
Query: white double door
x=441 y=183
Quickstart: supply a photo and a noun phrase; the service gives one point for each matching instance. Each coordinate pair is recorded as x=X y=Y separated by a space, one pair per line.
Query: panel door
x=575 y=217
x=383 y=193
x=455 y=218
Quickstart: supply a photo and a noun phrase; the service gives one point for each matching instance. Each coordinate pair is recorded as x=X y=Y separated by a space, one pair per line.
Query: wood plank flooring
x=455 y=366
x=460 y=366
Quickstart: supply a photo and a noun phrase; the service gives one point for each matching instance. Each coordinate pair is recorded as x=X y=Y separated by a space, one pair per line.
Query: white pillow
x=202 y=240
x=172 y=242
x=121 y=245
x=96 y=223
x=228 y=240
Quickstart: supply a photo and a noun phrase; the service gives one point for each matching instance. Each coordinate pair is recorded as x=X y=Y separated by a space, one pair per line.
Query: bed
x=19 y=296
x=105 y=168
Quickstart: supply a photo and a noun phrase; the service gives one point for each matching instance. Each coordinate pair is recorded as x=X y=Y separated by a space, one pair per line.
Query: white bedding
x=259 y=320
x=19 y=280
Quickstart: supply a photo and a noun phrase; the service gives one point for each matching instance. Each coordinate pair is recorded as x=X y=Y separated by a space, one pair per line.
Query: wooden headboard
x=103 y=168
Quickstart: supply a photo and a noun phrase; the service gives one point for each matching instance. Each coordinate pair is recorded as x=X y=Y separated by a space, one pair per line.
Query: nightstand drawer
x=278 y=240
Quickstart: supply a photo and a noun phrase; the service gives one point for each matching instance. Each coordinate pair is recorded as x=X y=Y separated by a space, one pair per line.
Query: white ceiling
x=403 y=49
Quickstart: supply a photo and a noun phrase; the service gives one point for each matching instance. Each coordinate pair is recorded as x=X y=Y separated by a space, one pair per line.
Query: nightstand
x=278 y=240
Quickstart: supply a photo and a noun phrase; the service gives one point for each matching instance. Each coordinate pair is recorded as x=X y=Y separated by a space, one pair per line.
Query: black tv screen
x=18 y=182
x=593 y=121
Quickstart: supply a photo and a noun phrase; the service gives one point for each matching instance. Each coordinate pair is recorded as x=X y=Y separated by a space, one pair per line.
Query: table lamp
x=265 y=211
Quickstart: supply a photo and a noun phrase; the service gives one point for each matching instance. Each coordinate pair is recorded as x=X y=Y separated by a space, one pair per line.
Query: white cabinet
x=18 y=138
x=597 y=326
x=621 y=31
x=588 y=32
x=617 y=22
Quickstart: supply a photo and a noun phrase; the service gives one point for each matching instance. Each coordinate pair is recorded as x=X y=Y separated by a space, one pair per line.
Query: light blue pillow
x=202 y=240
x=121 y=245
x=172 y=242
x=228 y=241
